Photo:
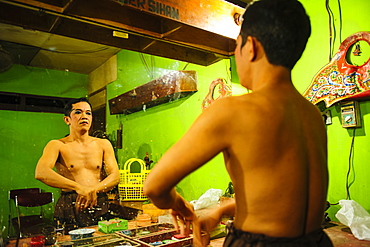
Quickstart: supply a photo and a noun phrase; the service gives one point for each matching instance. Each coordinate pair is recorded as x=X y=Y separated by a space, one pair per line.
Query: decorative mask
x=340 y=80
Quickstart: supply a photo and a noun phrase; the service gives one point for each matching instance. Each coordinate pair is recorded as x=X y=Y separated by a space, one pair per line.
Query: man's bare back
x=274 y=160
x=274 y=144
x=273 y=140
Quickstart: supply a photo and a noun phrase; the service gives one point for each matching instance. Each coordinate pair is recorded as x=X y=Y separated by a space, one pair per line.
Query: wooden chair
x=34 y=221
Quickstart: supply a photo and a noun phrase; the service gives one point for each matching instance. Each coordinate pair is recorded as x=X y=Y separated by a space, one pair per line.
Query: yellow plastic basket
x=131 y=185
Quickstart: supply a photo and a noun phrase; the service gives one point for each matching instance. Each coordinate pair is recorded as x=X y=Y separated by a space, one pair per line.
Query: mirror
x=56 y=48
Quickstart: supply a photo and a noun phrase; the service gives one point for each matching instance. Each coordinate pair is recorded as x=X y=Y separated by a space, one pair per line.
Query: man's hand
x=206 y=224
x=184 y=226
x=86 y=198
x=183 y=216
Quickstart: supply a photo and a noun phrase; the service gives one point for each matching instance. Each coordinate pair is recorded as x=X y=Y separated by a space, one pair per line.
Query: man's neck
x=80 y=136
x=271 y=76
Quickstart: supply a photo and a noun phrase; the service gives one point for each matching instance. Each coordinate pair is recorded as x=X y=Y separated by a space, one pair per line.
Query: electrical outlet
x=326 y=115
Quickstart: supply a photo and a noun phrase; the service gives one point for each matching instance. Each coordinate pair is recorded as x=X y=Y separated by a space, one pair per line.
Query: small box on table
x=112 y=225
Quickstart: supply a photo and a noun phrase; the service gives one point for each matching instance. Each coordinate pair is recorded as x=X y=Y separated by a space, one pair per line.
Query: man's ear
x=253 y=49
x=67 y=120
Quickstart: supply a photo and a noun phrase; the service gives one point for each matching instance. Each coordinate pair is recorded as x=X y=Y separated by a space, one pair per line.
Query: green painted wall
x=23 y=135
x=354 y=19
x=31 y=80
x=154 y=130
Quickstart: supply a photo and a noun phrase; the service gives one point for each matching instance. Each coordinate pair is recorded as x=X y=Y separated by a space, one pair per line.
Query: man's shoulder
x=246 y=104
x=54 y=145
x=234 y=102
x=97 y=139
x=100 y=141
x=239 y=108
x=57 y=141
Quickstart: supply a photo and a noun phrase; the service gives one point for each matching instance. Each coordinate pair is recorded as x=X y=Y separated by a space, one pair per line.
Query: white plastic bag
x=355 y=217
x=210 y=198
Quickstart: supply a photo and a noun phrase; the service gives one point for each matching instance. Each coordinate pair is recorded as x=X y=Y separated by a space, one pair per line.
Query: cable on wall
x=350 y=164
x=186 y=65
x=340 y=21
x=150 y=69
x=332 y=32
x=332 y=27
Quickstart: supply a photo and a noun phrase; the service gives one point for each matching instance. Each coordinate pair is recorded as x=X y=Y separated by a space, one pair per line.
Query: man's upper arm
x=49 y=157
x=110 y=162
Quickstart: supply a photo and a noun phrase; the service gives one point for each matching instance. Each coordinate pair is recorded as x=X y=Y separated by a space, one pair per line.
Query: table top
x=340 y=235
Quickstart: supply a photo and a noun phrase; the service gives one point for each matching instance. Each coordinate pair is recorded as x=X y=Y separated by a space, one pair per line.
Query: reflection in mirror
x=55 y=64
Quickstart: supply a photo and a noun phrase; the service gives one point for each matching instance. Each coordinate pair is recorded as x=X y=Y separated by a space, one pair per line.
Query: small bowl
x=81 y=233
x=143 y=220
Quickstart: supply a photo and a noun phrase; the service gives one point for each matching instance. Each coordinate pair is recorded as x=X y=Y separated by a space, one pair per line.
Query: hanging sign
x=216 y=16
x=155 y=7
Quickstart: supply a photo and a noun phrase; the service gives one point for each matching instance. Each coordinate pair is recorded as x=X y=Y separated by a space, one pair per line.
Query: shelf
x=172 y=86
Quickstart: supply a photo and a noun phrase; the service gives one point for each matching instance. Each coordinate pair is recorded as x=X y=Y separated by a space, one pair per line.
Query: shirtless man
x=273 y=140
x=78 y=159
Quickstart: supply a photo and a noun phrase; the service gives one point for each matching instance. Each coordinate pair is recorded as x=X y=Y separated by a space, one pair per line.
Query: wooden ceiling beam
x=187 y=37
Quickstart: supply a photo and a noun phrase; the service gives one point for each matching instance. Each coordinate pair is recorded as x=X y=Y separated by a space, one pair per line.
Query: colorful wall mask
x=339 y=79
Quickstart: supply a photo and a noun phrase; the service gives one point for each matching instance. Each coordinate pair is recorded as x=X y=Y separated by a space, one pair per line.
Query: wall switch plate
x=350 y=112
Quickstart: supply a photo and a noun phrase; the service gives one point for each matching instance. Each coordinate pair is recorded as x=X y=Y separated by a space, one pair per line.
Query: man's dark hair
x=68 y=106
x=281 y=26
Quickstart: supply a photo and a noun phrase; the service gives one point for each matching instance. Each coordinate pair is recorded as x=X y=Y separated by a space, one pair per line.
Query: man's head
x=69 y=106
x=281 y=26
x=78 y=114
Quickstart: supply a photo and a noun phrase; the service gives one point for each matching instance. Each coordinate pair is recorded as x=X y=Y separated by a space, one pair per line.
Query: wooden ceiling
x=79 y=35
